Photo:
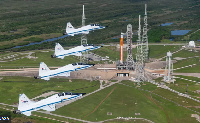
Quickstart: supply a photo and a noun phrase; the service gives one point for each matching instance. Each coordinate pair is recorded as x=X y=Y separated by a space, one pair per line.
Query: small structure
x=191 y=44
x=169 y=68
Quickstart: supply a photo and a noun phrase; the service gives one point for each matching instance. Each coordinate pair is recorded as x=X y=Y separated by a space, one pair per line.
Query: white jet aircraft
x=45 y=73
x=70 y=30
x=26 y=106
x=77 y=51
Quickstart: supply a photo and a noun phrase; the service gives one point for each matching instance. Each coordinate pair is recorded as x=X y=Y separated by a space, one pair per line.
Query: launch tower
x=83 y=58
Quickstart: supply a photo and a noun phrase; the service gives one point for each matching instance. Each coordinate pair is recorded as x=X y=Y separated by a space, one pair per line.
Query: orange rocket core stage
x=121 y=49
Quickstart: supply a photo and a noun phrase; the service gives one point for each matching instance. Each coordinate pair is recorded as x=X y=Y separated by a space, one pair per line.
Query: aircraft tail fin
x=43 y=68
x=24 y=101
x=69 y=26
x=58 y=48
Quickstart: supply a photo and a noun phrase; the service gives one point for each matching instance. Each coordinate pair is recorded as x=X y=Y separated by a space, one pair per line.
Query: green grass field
x=21 y=119
x=181 y=86
x=193 y=69
x=186 y=62
x=42 y=57
x=128 y=101
x=185 y=53
x=158 y=51
x=13 y=86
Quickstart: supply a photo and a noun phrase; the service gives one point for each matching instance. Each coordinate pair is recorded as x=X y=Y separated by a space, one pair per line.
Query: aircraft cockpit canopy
x=68 y=93
x=80 y=63
x=95 y=24
x=74 y=64
x=88 y=45
x=64 y=93
x=61 y=94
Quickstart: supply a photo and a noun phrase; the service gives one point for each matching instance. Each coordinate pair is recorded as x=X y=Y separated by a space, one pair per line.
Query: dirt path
x=101 y=102
x=151 y=99
x=188 y=74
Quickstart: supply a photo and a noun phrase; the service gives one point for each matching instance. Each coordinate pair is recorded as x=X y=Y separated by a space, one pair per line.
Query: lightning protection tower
x=84 y=57
x=145 y=37
x=140 y=72
x=129 y=61
x=169 y=68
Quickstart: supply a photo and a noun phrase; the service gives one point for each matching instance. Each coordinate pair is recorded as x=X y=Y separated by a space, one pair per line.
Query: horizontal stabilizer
x=62 y=57
x=46 y=78
x=28 y=113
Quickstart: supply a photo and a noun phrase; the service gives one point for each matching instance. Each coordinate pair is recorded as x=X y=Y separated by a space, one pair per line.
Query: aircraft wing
x=77 y=51
x=49 y=107
x=66 y=74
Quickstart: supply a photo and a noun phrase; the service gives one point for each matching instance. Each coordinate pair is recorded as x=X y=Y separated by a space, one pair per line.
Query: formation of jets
x=70 y=30
x=77 y=51
x=26 y=106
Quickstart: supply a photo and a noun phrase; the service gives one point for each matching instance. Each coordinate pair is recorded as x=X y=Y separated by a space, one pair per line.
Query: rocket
x=121 y=49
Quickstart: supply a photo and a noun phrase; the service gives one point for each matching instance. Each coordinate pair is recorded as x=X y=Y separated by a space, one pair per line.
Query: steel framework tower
x=83 y=58
x=169 y=68
x=145 y=37
x=140 y=72
x=129 y=61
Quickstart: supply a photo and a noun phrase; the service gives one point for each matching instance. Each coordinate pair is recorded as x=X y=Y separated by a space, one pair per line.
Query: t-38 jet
x=77 y=51
x=45 y=73
x=26 y=106
x=70 y=30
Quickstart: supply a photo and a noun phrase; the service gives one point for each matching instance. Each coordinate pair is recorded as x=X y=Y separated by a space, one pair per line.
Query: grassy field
x=158 y=51
x=128 y=102
x=120 y=103
x=193 y=69
x=13 y=86
x=186 y=62
x=22 y=119
x=42 y=57
x=181 y=86
x=185 y=53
